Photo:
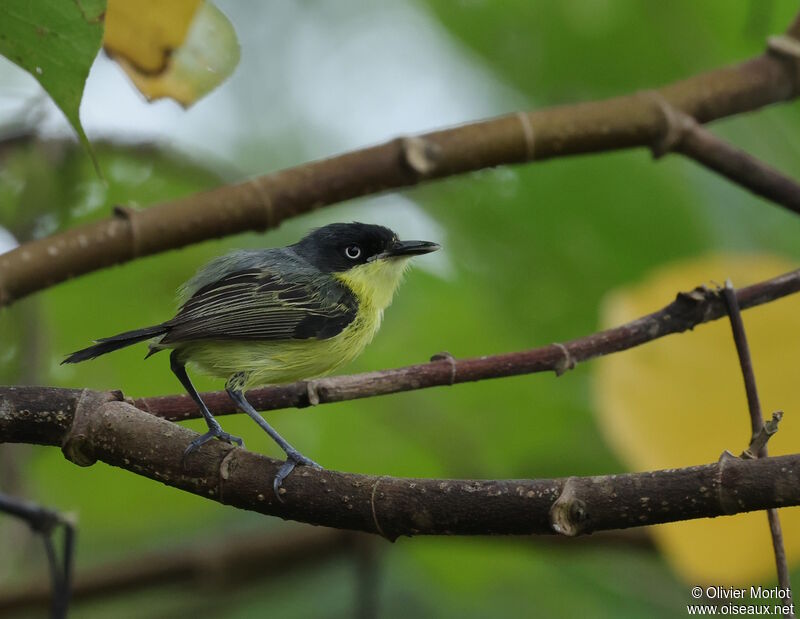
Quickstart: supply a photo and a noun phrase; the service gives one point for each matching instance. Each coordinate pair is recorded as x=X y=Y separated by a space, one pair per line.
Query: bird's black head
x=339 y=247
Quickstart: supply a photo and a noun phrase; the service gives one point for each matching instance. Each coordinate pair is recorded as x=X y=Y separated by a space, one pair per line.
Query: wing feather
x=256 y=304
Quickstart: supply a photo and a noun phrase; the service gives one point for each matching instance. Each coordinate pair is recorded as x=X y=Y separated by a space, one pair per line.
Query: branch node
x=446 y=356
x=727 y=503
x=378 y=529
x=265 y=198
x=760 y=438
x=698 y=300
x=528 y=133
x=312 y=393
x=130 y=215
x=676 y=124
x=699 y=294
x=786 y=48
x=784 y=45
x=566 y=362
x=226 y=466
x=420 y=154
x=568 y=515
x=77 y=444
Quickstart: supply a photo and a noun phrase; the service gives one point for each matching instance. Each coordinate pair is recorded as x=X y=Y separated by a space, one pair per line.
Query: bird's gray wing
x=261 y=304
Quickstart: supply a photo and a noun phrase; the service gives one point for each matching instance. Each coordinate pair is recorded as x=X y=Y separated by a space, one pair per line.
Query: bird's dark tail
x=110 y=344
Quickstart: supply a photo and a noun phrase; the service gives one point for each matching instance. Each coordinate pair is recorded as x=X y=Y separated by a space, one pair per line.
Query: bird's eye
x=353 y=252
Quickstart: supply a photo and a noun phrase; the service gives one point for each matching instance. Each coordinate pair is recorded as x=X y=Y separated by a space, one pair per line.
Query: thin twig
x=745 y=361
x=240 y=561
x=46 y=522
x=234 y=561
x=739 y=167
x=687 y=311
x=685 y=135
x=756 y=424
x=262 y=203
x=368 y=578
x=59 y=599
x=91 y=427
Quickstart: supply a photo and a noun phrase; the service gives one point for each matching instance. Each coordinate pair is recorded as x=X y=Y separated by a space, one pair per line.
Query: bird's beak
x=405 y=249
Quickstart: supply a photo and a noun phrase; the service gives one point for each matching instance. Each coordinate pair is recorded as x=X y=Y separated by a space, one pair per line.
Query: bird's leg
x=293 y=457
x=214 y=429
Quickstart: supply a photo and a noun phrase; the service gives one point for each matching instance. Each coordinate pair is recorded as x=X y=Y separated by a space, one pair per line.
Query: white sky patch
x=7 y=241
x=339 y=76
x=386 y=69
x=317 y=78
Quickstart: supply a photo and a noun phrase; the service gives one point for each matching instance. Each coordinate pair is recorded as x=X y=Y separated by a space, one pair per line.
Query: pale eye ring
x=353 y=252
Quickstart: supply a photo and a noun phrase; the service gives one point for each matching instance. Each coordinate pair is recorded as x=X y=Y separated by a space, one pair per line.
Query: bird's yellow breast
x=375 y=283
x=270 y=362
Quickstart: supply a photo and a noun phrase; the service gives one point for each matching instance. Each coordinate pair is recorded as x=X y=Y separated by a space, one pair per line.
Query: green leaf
x=56 y=42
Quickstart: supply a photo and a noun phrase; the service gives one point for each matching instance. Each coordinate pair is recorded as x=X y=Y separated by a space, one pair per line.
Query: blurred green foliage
x=56 y=42
x=533 y=248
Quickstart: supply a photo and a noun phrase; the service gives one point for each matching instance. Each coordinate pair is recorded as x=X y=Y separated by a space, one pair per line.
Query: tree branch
x=686 y=136
x=242 y=560
x=233 y=562
x=93 y=426
x=740 y=167
x=262 y=203
x=44 y=522
x=687 y=311
x=757 y=427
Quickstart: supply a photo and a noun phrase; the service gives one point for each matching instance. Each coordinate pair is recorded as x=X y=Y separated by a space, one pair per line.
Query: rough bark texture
x=93 y=426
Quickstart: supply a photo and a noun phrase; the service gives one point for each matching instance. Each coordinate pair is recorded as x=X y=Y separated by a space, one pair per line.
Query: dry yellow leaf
x=180 y=49
x=680 y=401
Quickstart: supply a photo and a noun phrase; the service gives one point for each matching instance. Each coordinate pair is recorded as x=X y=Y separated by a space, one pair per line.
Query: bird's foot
x=213 y=433
x=293 y=459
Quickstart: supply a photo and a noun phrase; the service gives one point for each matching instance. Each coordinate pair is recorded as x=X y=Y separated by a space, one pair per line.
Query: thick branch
x=92 y=426
x=687 y=311
x=264 y=202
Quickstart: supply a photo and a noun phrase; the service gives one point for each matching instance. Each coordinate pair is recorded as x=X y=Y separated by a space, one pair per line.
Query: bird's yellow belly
x=270 y=362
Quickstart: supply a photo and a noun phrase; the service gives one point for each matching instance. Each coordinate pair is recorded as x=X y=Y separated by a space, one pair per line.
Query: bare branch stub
x=760 y=439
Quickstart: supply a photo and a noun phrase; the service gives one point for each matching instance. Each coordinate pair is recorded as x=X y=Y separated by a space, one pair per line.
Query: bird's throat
x=374 y=283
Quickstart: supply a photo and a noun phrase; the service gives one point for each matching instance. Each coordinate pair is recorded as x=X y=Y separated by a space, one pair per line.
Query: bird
x=277 y=315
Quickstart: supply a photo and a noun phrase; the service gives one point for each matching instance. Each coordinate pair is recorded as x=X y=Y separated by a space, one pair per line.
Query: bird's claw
x=217 y=433
x=293 y=459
